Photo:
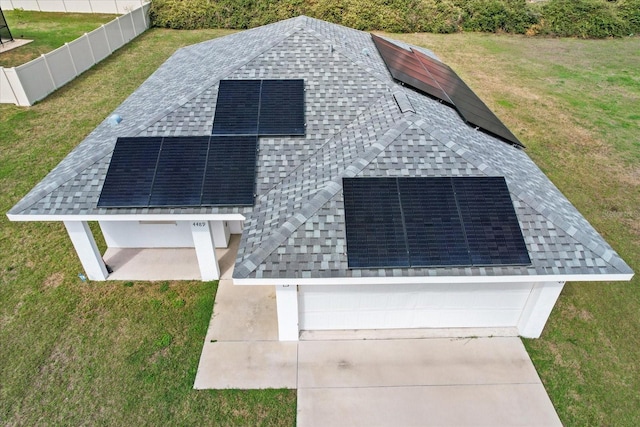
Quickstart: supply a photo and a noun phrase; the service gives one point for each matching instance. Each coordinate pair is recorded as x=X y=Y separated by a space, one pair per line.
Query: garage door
x=411 y=306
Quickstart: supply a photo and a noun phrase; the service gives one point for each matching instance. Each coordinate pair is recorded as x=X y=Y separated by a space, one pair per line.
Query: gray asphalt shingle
x=359 y=122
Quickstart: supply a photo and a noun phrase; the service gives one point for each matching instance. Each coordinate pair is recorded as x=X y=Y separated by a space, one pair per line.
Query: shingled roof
x=359 y=123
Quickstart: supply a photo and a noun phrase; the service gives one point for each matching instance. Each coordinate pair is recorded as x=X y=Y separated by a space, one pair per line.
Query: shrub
x=512 y=16
x=182 y=14
x=629 y=11
x=582 y=18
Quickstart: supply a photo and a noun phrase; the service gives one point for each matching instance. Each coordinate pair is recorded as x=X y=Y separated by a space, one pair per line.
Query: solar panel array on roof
x=437 y=79
x=260 y=107
x=181 y=171
x=431 y=222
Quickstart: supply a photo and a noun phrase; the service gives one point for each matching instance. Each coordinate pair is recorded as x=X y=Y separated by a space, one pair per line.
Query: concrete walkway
x=370 y=382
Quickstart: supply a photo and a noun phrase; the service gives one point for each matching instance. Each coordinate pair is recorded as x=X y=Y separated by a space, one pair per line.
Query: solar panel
x=229 y=178
x=438 y=80
x=431 y=222
x=490 y=222
x=468 y=104
x=237 y=108
x=434 y=228
x=282 y=107
x=180 y=171
x=405 y=67
x=375 y=233
x=130 y=175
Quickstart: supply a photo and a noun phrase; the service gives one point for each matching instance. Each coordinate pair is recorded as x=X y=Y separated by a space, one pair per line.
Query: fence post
x=133 y=24
x=106 y=36
x=144 y=16
x=46 y=64
x=93 y=55
x=121 y=33
x=73 y=62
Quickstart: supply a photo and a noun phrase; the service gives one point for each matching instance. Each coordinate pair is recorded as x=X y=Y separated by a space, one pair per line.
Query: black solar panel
x=375 y=233
x=434 y=228
x=237 y=107
x=178 y=179
x=490 y=222
x=230 y=175
x=282 y=107
x=436 y=79
x=130 y=174
x=431 y=222
x=405 y=67
x=468 y=104
x=181 y=172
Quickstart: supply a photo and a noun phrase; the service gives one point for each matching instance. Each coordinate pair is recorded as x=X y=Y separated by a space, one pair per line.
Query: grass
x=79 y=353
x=48 y=30
x=574 y=104
x=116 y=353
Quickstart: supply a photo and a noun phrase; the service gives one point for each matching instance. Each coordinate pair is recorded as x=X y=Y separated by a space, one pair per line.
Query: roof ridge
x=534 y=202
x=347 y=54
x=322 y=196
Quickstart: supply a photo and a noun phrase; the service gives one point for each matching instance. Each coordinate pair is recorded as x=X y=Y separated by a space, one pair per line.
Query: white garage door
x=411 y=306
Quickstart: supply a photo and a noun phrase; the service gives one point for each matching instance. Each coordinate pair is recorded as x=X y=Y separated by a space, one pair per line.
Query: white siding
x=412 y=306
x=135 y=234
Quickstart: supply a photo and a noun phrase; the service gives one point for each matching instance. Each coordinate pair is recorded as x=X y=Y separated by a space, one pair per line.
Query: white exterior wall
x=412 y=306
x=221 y=233
x=136 y=234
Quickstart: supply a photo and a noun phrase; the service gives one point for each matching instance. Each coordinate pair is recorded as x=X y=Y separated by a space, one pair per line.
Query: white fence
x=33 y=81
x=82 y=6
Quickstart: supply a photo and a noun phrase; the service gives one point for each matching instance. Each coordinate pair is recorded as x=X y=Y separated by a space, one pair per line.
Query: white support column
x=220 y=231
x=287 y=305
x=538 y=308
x=205 y=250
x=87 y=250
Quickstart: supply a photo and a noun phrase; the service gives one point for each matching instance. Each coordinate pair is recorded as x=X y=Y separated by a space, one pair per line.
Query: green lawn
x=108 y=354
x=48 y=30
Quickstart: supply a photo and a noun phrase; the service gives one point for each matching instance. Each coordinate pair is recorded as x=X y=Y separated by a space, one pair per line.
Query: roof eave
x=382 y=280
x=129 y=217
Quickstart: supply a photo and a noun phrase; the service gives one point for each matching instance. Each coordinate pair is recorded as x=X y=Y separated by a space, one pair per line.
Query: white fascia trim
x=436 y=279
x=129 y=217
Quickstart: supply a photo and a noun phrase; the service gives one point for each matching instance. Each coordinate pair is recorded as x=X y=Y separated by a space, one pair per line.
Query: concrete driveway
x=381 y=382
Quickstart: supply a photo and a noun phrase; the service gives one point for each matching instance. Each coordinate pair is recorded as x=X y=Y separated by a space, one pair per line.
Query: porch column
x=205 y=250
x=287 y=306
x=87 y=250
x=538 y=308
x=220 y=231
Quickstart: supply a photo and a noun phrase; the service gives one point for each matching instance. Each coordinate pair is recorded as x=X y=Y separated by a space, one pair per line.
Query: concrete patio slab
x=367 y=363
x=6 y=46
x=152 y=264
x=247 y=365
x=457 y=405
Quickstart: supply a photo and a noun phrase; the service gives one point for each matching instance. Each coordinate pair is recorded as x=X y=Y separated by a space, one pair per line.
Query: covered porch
x=166 y=263
x=157 y=249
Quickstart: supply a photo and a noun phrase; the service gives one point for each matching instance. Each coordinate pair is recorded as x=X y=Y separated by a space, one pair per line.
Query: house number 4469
x=199 y=224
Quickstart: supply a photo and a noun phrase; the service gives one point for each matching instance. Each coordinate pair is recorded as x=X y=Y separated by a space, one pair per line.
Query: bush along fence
x=118 y=7
x=25 y=84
